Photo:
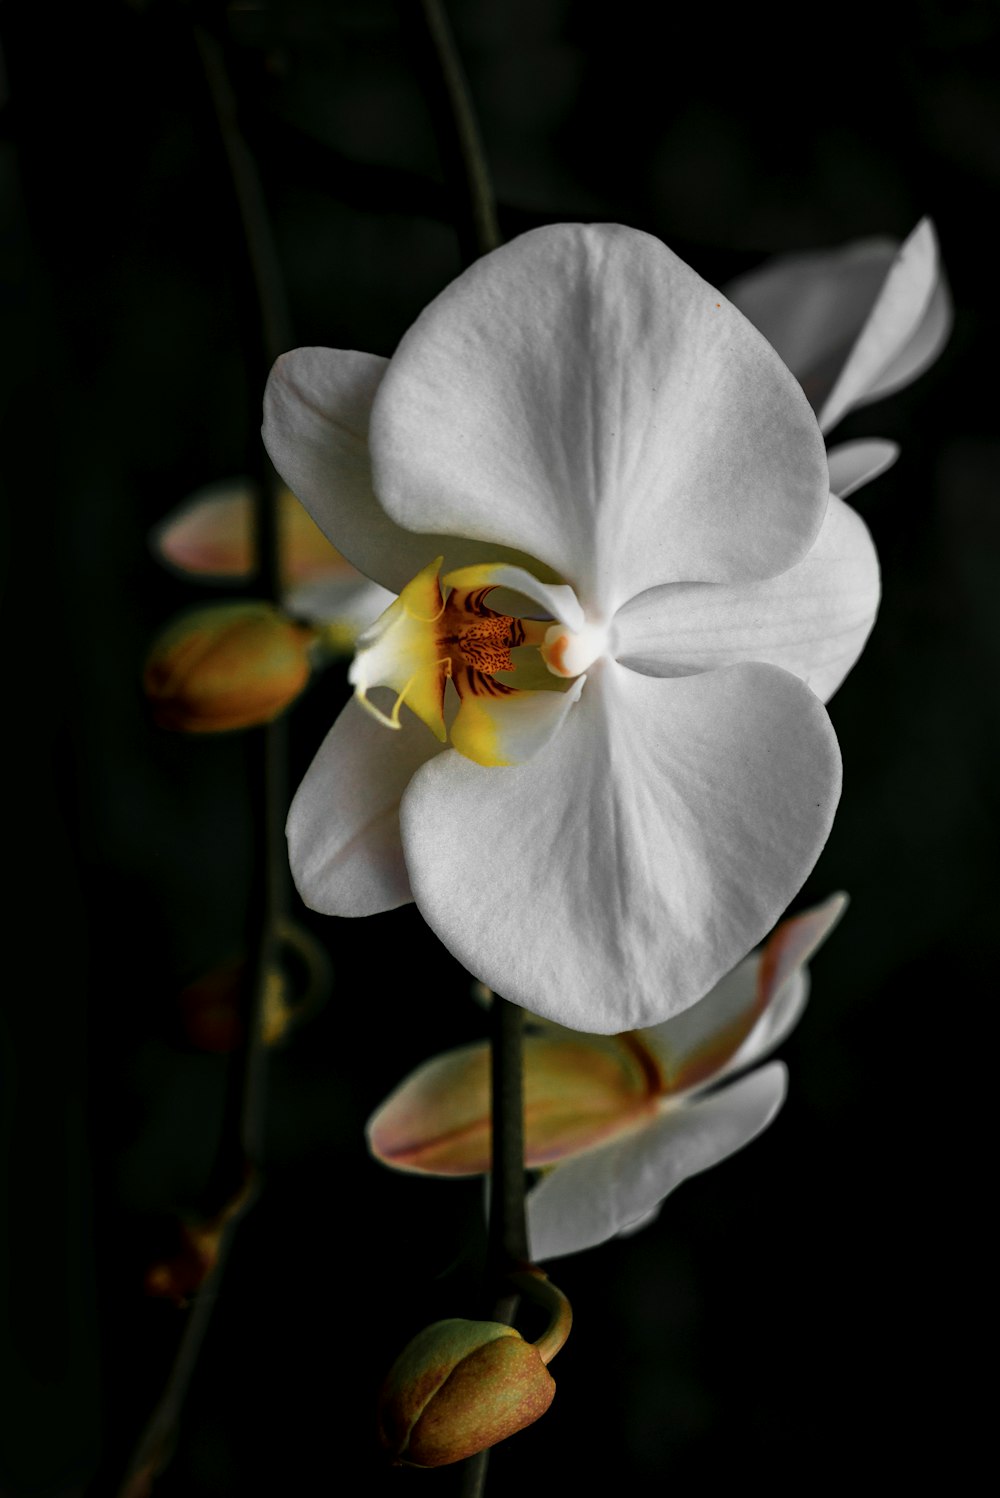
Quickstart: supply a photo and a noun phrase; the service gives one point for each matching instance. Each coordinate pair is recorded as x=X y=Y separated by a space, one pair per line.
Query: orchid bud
x=232 y=665
x=459 y=1387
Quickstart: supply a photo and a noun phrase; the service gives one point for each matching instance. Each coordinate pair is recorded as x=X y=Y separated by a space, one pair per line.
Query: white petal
x=509 y=730
x=749 y=1012
x=855 y=463
x=692 y=1048
x=317 y=407
x=615 y=877
x=343 y=826
x=595 y=1195
x=905 y=330
x=812 y=620
x=784 y=979
x=583 y=395
x=811 y=308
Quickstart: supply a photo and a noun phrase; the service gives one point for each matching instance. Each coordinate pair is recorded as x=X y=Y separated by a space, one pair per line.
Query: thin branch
x=459 y=140
x=243 y=1105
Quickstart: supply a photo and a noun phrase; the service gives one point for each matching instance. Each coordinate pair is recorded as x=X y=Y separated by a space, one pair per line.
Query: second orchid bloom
x=616 y=1123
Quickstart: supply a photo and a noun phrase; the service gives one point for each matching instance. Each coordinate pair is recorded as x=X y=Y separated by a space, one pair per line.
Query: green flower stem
x=508 y=1236
x=536 y=1286
x=243 y=1105
x=461 y=146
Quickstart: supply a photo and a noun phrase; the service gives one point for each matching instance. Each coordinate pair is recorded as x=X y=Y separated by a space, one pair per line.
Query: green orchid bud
x=232 y=665
x=459 y=1387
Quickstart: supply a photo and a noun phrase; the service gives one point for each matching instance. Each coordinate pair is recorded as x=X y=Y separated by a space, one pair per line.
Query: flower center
x=426 y=639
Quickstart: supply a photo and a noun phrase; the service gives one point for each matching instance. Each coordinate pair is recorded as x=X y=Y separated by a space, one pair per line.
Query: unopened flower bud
x=459 y=1387
x=233 y=665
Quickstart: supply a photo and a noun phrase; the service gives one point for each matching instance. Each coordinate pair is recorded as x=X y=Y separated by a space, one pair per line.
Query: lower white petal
x=343 y=826
x=855 y=463
x=598 y=1194
x=784 y=979
x=812 y=620
x=613 y=879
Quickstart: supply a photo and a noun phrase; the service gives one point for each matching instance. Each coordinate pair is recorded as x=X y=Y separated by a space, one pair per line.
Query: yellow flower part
x=429 y=636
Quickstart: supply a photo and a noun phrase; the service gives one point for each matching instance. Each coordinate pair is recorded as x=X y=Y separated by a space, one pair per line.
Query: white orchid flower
x=616 y=1123
x=210 y=535
x=583 y=424
x=853 y=325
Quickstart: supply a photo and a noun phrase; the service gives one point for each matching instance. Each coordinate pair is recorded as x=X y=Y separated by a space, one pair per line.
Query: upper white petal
x=812 y=307
x=812 y=620
x=343 y=826
x=583 y=395
x=613 y=879
x=595 y=1195
x=852 y=324
x=905 y=330
x=317 y=407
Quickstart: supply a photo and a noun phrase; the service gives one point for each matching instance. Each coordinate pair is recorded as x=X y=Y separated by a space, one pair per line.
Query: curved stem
x=242 y=1123
x=459 y=140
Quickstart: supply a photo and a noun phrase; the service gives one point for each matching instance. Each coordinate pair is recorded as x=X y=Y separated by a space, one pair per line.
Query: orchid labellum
x=589 y=736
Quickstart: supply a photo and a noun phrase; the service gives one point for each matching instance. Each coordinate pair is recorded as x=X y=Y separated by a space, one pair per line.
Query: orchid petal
x=612 y=880
x=852 y=324
x=583 y=395
x=783 y=980
x=317 y=407
x=343 y=826
x=578 y=1091
x=904 y=332
x=692 y=1048
x=210 y=535
x=591 y=1198
x=509 y=730
x=855 y=463
x=812 y=307
x=556 y=600
x=749 y=1012
x=813 y=620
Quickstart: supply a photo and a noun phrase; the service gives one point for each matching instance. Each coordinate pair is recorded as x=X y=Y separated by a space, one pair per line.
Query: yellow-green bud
x=231 y=665
x=459 y=1387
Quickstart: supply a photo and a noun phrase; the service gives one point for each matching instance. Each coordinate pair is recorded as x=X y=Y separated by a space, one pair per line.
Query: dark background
x=799 y=1315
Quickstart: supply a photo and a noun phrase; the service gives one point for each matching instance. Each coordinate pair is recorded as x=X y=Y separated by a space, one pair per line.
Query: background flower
x=210 y=536
x=617 y=1123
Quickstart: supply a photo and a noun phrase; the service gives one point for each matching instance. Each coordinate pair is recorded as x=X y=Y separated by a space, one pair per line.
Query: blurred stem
x=459 y=141
x=241 y=1133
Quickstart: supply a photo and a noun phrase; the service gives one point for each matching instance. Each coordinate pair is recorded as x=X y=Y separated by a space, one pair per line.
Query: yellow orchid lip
x=427 y=638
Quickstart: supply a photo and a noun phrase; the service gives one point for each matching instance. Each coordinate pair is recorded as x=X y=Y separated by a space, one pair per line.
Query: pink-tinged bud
x=232 y=665
x=459 y=1387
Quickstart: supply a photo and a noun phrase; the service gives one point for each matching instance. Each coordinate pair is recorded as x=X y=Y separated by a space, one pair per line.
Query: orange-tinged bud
x=232 y=665
x=459 y=1387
